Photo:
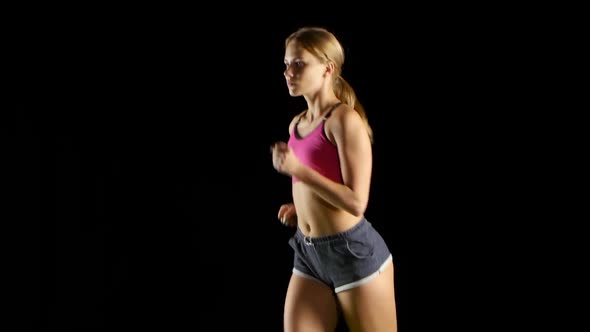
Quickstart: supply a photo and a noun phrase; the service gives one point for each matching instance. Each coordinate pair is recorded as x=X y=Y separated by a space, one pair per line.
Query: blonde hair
x=325 y=46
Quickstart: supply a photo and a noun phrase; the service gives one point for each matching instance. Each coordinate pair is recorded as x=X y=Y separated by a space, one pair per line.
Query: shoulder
x=343 y=118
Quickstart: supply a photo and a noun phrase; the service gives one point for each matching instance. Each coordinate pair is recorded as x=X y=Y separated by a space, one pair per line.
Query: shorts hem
x=364 y=280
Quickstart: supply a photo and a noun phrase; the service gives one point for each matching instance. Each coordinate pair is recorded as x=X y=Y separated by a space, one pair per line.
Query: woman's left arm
x=356 y=161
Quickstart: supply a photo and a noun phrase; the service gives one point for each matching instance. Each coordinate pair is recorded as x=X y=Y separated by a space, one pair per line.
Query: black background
x=140 y=179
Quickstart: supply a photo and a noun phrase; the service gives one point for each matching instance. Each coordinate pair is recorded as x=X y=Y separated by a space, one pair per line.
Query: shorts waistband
x=328 y=238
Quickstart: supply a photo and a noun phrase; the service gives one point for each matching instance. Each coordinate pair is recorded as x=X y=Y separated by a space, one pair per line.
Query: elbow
x=357 y=213
x=358 y=207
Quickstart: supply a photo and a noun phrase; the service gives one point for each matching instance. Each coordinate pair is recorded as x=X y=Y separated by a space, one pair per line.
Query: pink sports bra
x=316 y=151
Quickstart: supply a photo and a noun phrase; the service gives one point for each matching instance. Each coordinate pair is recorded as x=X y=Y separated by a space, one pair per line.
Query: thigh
x=310 y=306
x=371 y=306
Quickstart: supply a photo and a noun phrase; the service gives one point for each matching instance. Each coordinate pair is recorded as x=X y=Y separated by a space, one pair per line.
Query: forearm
x=335 y=193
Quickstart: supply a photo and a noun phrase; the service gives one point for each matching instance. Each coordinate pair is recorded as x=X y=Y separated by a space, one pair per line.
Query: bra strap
x=331 y=109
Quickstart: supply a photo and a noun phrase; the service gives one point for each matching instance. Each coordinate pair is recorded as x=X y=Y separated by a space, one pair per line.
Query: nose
x=288 y=72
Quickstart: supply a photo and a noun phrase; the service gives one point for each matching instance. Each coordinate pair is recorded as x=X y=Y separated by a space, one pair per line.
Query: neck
x=320 y=110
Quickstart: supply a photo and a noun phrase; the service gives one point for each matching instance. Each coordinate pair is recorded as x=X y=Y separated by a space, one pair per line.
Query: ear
x=329 y=69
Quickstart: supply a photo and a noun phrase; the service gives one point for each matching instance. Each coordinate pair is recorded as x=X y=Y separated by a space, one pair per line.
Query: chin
x=294 y=93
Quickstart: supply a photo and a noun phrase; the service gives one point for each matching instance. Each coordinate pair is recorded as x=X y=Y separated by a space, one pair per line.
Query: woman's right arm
x=287 y=213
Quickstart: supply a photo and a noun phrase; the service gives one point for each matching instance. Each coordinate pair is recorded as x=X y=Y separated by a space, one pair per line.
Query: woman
x=341 y=265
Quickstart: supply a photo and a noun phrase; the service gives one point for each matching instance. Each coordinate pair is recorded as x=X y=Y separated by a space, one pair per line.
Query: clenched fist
x=283 y=158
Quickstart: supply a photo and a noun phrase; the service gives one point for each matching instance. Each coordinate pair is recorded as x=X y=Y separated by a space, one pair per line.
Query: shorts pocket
x=356 y=249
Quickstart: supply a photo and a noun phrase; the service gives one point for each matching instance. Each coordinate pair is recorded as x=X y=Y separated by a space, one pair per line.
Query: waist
x=328 y=237
x=316 y=216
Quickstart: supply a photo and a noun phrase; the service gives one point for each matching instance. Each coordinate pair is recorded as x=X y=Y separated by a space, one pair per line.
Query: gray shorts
x=344 y=260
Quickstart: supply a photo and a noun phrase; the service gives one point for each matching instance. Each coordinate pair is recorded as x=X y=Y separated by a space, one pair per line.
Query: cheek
x=309 y=77
x=313 y=81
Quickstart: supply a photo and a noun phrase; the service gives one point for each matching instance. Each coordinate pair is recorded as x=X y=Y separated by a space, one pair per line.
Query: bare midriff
x=318 y=217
